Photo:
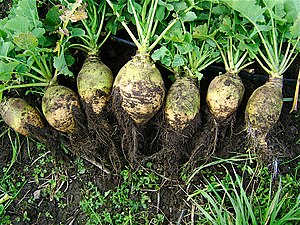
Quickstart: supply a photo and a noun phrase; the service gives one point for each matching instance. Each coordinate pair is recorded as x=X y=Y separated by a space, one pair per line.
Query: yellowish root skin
x=224 y=95
x=141 y=87
x=18 y=114
x=182 y=103
x=263 y=109
x=94 y=84
x=58 y=105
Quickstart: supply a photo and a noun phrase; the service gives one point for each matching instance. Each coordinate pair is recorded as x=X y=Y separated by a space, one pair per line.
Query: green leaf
x=61 y=65
x=179 y=6
x=23 y=68
x=137 y=7
x=292 y=8
x=176 y=35
x=188 y=38
x=264 y=28
x=28 y=9
x=178 y=60
x=19 y=24
x=77 y=32
x=270 y=4
x=163 y=55
x=279 y=12
x=6 y=70
x=112 y=26
x=160 y=53
x=5 y=48
x=70 y=60
x=160 y=13
x=189 y=17
x=226 y=26
x=248 y=8
x=38 y=32
x=52 y=19
x=295 y=28
x=166 y=60
x=220 y=10
x=3 y=31
x=199 y=75
x=168 y=6
x=23 y=17
x=26 y=41
x=201 y=32
x=184 y=47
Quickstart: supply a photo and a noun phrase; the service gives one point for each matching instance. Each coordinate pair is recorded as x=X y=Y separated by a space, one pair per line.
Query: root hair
x=132 y=137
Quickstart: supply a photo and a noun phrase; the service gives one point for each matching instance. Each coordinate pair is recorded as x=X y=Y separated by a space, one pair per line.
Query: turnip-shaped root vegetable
x=21 y=116
x=138 y=90
x=61 y=107
x=141 y=88
x=182 y=103
x=275 y=51
x=94 y=83
x=224 y=95
x=263 y=109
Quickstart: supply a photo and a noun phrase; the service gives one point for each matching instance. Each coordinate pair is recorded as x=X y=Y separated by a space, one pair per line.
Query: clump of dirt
x=4 y=8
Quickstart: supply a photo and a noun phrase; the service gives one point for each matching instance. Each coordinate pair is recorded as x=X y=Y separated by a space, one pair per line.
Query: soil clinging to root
x=132 y=138
x=173 y=148
x=103 y=130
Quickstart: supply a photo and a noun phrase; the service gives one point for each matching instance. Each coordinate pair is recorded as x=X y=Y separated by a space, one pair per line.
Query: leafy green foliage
x=22 y=52
x=23 y=18
x=249 y=9
x=60 y=64
x=148 y=16
x=224 y=31
x=92 y=34
x=275 y=23
x=181 y=52
x=34 y=45
x=26 y=41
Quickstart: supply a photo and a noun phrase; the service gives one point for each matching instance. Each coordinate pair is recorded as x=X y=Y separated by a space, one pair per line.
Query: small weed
x=10 y=185
x=80 y=166
x=9 y=191
x=128 y=203
x=50 y=181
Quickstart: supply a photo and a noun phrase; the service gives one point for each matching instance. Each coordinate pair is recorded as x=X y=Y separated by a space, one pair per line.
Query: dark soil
x=204 y=144
x=4 y=8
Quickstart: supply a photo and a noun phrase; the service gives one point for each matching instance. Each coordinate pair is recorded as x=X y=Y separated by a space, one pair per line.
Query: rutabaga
x=95 y=79
x=61 y=108
x=32 y=61
x=182 y=103
x=186 y=56
x=94 y=83
x=274 y=24
x=22 y=117
x=139 y=89
x=225 y=92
